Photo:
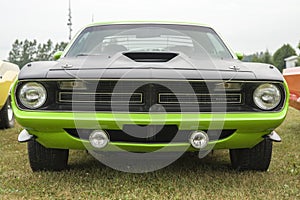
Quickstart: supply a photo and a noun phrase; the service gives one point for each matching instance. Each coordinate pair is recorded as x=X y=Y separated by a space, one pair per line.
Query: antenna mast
x=70 y=21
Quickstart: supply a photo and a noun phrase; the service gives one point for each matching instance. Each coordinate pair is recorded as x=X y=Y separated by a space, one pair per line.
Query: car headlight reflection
x=267 y=96
x=32 y=95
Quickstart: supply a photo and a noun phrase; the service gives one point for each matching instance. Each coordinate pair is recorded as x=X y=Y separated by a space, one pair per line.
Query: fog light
x=98 y=139
x=199 y=139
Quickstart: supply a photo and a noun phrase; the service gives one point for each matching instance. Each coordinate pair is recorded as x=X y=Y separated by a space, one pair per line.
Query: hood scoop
x=150 y=56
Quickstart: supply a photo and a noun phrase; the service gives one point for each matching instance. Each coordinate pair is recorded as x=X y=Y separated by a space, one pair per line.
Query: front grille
x=149 y=96
x=144 y=96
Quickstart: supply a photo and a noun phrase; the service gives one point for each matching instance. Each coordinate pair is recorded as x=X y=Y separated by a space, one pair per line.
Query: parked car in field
x=8 y=74
x=292 y=77
x=146 y=87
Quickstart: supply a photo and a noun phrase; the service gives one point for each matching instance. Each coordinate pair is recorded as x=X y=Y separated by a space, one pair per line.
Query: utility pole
x=70 y=21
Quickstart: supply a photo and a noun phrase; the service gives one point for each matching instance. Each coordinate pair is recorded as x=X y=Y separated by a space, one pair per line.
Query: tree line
x=26 y=51
x=277 y=59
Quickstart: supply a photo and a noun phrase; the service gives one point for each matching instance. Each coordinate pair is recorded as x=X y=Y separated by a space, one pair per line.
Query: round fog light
x=199 y=139
x=98 y=139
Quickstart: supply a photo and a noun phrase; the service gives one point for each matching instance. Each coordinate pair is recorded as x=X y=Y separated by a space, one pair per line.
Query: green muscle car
x=146 y=88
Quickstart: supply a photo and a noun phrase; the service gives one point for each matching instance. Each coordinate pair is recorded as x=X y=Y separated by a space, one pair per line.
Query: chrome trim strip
x=186 y=94
x=89 y=93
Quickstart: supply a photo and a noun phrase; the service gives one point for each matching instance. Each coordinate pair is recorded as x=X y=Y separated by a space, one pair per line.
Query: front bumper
x=48 y=127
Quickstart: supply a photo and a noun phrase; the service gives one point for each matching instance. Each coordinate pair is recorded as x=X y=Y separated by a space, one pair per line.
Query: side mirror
x=57 y=55
x=240 y=56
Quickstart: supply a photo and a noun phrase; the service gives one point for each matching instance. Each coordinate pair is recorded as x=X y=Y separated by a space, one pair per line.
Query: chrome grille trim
x=113 y=96
x=181 y=96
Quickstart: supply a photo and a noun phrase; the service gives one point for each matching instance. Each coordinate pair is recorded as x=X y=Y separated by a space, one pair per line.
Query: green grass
x=187 y=178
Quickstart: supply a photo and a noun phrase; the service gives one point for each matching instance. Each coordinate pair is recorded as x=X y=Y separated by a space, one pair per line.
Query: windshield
x=187 y=39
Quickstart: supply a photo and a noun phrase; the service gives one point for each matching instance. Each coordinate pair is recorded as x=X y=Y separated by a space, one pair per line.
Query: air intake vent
x=150 y=56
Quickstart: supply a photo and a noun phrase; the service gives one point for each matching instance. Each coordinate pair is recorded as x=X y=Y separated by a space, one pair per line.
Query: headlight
x=267 y=96
x=32 y=95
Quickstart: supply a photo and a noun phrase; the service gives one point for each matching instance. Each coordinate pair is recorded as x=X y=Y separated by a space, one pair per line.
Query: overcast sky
x=247 y=26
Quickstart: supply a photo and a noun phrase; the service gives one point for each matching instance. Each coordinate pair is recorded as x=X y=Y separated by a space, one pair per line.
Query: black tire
x=257 y=158
x=46 y=159
x=7 y=119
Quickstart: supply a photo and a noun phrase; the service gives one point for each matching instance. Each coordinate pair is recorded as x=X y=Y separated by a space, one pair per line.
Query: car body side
x=8 y=74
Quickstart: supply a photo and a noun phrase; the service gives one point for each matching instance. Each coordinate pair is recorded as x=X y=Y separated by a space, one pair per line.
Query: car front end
x=242 y=125
x=153 y=87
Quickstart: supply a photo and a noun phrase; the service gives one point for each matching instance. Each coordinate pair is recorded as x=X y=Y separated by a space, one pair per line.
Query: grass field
x=187 y=178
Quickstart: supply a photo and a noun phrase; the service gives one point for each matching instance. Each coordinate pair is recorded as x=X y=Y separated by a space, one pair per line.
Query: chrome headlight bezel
x=267 y=96
x=32 y=95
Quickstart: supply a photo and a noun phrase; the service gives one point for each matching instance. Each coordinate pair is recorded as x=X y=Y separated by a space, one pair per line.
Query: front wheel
x=7 y=119
x=46 y=159
x=257 y=158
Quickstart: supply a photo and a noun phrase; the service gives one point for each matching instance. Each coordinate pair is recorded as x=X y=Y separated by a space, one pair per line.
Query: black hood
x=148 y=66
